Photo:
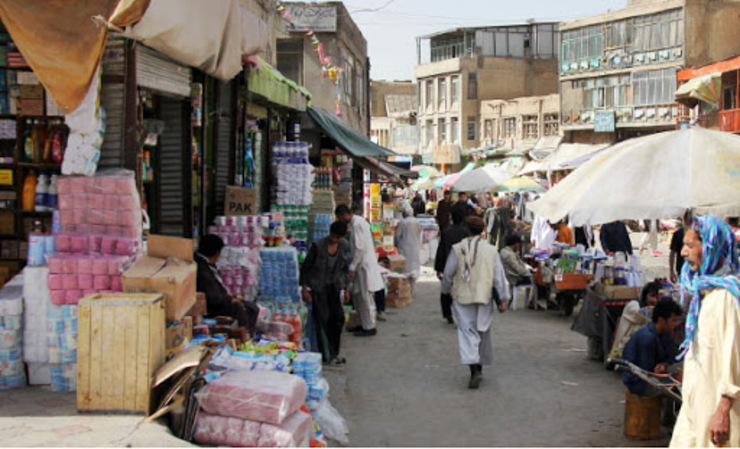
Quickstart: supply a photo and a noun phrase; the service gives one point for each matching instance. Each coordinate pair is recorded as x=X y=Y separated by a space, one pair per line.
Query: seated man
x=517 y=271
x=219 y=300
x=651 y=348
x=635 y=315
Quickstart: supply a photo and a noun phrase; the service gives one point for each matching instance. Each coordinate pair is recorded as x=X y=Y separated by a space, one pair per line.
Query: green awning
x=345 y=137
x=267 y=82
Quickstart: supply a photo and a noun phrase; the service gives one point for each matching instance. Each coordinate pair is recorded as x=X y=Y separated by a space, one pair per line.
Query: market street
x=405 y=387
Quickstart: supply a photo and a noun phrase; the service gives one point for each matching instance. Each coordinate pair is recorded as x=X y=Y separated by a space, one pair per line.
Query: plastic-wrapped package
x=235 y=432
x=36 y=298
x=254 y=395
x=279 y=275
x=63 y=377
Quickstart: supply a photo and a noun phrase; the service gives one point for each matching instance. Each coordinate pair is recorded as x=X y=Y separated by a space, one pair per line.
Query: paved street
x=406 y=387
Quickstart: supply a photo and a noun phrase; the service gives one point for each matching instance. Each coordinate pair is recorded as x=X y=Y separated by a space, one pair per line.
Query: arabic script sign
x=314 y=17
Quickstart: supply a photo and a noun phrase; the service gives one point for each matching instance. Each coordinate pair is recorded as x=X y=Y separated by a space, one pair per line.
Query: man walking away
x=710 y=414
x=443 y=211
x=450 y=237
x=408 y=240
x=615 y=238
x=364 y=271
x=323 y=275
x=473 y=275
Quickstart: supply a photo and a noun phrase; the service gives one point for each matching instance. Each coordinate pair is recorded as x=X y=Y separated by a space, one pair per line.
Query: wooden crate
x=121 y=340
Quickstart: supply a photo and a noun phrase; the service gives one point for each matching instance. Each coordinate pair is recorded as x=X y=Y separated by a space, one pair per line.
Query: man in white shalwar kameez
x=543 y=236
x=710 y=414
x=364 y=271
x=473 y=275
x=408 y=240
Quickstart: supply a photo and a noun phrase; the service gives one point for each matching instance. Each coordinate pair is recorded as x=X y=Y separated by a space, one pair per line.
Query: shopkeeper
x=219 y=300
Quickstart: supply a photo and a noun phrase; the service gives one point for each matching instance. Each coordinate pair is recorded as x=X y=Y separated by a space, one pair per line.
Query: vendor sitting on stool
x=517 y=271
x=219 y=300
x=651 y=348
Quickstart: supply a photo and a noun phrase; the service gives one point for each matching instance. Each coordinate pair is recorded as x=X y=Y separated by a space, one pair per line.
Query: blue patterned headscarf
x=719 y=269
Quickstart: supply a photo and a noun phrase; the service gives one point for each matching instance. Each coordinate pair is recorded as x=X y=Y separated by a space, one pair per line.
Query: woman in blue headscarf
x=710 y=415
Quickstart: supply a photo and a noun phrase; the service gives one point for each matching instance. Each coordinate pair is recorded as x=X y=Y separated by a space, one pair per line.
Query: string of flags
x=328 y=68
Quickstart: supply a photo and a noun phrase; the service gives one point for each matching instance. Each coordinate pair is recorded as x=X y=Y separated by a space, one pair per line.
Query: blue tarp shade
x=345 y=137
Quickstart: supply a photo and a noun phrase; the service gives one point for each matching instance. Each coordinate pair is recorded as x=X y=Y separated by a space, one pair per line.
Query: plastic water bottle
x=52 y=199
x=42 y=191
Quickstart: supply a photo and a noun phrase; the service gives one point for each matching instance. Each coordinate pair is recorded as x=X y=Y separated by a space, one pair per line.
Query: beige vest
x=479 y=288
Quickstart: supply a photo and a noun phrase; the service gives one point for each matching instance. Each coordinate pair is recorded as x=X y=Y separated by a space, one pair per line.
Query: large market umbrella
x=481 y=179
x=657 y=176
x=422 y=184
x=521 y=184
x=426 y=171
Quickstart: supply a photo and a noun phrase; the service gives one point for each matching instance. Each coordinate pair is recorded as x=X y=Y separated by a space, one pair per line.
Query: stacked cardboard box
x=399 y=288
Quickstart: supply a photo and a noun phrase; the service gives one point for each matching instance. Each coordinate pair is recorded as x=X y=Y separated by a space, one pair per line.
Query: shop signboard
x=604 y=122
x=240 y=201
x=318 y=18
x=446 y=154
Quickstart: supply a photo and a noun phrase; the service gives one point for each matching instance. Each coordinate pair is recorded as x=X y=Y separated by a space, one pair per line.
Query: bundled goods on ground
x=37 y=299
x=295 y=219
x=12 y=369
x=322 y=179
x=320 y=226
x=61 y=338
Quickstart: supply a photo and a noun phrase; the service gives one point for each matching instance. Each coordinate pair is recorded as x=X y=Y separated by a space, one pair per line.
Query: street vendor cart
x=568 y=288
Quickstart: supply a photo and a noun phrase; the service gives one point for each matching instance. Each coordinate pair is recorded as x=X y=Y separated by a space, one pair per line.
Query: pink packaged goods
x=84 y=265
x=108 y=245
x=56 y=263
x=93 y=242
x=235 y=432
x=55 y=282
x=263 y=396
x=58 y=297
x=85 y=281
x=116 y=283
x=100 y=266
x=72 y=296
x=69 y=281
x=101 y=282
x=79 y=244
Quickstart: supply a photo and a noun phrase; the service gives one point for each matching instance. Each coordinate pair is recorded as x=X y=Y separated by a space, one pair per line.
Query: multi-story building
x=618 y=70
x=343 y=42
x=520 y=122
x=393 y=116
x=460 y=68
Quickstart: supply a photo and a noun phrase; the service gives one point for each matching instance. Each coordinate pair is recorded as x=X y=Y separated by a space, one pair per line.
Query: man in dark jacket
x=443 y=212
x=219 y=300
x=324 y=274
x=418 y=205
x=450 y=237
x=615 y=238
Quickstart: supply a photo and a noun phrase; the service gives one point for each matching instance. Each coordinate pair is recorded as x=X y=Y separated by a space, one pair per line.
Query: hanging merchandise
x=86 y=125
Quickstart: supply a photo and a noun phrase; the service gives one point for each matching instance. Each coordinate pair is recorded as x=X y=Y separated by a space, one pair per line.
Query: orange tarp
x=61 y=43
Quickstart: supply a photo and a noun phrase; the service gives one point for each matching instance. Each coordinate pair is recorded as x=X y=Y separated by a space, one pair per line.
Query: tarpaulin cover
x=345 y=137
x=61 y=43
x=212 y=36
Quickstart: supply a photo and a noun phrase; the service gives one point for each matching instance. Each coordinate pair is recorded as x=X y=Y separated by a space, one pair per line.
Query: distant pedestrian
x=418 y=205
x=475 y=277
x=408 y=241
x=615 y=238
x=443 y=212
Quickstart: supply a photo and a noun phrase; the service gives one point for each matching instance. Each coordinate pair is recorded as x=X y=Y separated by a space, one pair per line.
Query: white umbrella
x=657 y=176
x=481 y=179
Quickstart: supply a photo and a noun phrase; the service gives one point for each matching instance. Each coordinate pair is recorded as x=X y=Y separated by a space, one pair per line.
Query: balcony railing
x=730 y=121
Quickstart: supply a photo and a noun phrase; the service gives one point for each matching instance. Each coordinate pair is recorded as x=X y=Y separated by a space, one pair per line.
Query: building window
x=530 y=127
x=488 y=129
x=430 y=132
x=654 y=87
x=728 y=99
x=430 y=94
x=658 y=31
x=360 y=90
x=471 y=128
x=455 y=134
x=447 y=48
x=552 y=125
x=607 y=92
x=472 y=86
x=618 y=35
x=442 y=127
x=583 y=45
x=509 y=127
x=455 y=91
x=419 y=91
x=442 y=93
x=290 y=60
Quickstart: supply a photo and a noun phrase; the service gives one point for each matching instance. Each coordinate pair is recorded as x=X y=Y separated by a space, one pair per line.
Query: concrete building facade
x=393 y=116
x=520 y=122
x=460 y=68
x=342 y=40
x=618 y=70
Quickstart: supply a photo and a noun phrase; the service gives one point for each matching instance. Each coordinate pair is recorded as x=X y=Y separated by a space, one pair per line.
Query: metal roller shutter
x=224 y=145
x=173 y=171
x=113 y=101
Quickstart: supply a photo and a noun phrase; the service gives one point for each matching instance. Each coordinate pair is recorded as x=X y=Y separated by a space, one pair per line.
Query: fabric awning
x=706 y=88
x=345 y=137
x=266 y=81
x=385 y=169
